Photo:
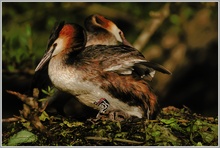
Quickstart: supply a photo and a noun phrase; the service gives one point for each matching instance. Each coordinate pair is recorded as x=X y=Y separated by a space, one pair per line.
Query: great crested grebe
x=107 y=78
x=99 y=31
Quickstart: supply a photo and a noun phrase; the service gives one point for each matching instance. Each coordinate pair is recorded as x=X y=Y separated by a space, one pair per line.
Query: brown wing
x=121 y=59
x=117 y=70
x=130 y=90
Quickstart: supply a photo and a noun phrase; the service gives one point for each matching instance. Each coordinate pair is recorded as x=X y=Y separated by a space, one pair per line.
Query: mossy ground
x=172 y=127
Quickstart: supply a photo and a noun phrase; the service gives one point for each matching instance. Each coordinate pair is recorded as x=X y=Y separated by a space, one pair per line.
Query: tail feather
x=146 y=70
x=156 y=67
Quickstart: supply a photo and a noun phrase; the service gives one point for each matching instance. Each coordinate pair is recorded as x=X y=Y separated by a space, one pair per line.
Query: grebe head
x=69 y=37
x=98 y=21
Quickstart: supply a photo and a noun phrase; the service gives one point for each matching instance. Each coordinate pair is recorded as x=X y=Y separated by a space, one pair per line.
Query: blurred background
x=181 y=36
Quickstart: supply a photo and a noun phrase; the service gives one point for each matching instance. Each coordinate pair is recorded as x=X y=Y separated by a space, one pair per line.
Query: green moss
x=164 y=131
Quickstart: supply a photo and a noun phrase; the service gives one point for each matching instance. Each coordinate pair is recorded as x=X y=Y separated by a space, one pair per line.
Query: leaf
x=156 y=133
x=168 y=121
x=27 y=125
x=199 y=144
x=44 y=116
x=43 y=100
x=49 y=91
x=73 y=124
x=23 y=136
x=45 y=92
x=214 y=128
x=207 y=137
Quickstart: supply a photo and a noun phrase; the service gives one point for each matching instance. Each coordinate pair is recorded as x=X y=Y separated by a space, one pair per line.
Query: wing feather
x=123 y=60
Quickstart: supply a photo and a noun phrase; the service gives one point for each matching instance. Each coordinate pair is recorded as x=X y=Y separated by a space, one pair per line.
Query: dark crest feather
x=55 y=33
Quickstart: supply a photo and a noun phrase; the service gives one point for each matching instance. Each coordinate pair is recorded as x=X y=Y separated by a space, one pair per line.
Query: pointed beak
x=47 y=56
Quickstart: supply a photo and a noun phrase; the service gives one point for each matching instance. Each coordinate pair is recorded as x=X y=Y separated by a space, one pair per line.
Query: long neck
x=71 y=57
x=60 y=72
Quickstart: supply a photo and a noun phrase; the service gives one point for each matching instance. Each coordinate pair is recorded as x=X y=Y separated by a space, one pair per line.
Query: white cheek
x=116 y=31
x=59 y=47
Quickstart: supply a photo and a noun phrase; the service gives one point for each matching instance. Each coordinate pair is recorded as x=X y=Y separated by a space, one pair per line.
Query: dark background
x=186 y=42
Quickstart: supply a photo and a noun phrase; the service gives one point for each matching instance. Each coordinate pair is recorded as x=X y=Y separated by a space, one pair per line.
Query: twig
x=97 y=138
x=183 y=121
x=148 y=31
x=128 y=141
x=151 y=121
x=30 y=110
x=12 y=119
x=24 y=98
x=116 y=139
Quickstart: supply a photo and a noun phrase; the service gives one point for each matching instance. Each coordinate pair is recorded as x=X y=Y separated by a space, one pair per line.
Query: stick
x=116 y=139
x=148 y=31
